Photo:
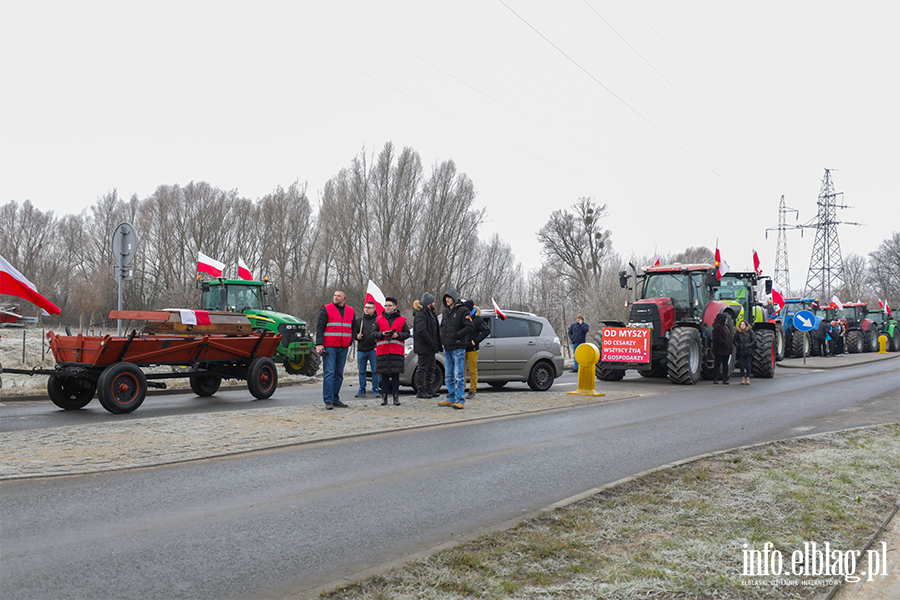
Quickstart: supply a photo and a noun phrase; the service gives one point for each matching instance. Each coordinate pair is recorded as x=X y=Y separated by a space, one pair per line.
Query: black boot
x=383 y=397
x=396 y=399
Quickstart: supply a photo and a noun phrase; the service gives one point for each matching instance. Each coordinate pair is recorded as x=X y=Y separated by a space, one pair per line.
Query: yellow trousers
x=472 y=368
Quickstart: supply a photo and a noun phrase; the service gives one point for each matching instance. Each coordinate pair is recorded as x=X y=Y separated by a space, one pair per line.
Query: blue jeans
x=574 y=348
x=333 y=360
x=363 y=358
x=455 y=364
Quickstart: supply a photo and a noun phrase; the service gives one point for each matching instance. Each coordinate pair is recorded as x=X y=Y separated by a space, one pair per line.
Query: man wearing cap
x=426 y=343
x=577 y=335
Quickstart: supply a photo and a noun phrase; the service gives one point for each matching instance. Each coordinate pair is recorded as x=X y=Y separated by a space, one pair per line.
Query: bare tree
x=884 y=266
x=857 y=285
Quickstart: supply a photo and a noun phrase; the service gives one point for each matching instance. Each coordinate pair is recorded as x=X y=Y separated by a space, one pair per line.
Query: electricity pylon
x=826 y=267
x=782 y=274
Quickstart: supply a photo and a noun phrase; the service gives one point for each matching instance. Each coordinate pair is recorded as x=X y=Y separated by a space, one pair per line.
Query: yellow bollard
x=882 y=344
x=587 y=355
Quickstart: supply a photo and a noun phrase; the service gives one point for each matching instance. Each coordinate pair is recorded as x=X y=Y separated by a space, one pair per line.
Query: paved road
x=276 y=524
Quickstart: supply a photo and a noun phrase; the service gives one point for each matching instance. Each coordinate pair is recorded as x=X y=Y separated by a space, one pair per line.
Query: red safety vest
x=390 y=346
x=338 y=329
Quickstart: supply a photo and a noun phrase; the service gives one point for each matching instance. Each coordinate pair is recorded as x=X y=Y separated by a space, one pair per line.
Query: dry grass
x=677 y=533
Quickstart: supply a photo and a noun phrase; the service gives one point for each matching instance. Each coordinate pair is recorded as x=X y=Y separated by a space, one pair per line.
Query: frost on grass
x=677 y=533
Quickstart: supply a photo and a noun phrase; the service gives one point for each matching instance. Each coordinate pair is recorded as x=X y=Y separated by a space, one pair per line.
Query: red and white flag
x=208 y=265
x=194 y=317
x=835 y=303
x=887 y=309
x=777 y=296
x=374 y=294
x=15 y=284
x=244 y=270
x=655 y=258
x=497 y=310
x=721 y=265
x=756 y=266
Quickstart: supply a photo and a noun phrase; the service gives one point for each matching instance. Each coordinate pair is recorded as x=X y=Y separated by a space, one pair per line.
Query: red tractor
x=669 y=333
x=862 y=334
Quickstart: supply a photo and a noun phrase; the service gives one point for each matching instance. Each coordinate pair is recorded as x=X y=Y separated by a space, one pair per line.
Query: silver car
x=524 y=347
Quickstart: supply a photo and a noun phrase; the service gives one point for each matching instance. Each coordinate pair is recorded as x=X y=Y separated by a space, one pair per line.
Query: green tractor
x=256 y=299
x=739 y=290
x=887 y=327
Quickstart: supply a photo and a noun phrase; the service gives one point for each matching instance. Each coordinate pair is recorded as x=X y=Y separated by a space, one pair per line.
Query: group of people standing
x=830 y=337
x=742 y=345
x=381 y=344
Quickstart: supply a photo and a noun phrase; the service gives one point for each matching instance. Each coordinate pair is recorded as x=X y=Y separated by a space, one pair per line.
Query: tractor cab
x=237 y=295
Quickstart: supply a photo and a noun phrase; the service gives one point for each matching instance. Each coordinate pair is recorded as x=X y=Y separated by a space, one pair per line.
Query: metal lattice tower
x=826 y=267
x=782 y=274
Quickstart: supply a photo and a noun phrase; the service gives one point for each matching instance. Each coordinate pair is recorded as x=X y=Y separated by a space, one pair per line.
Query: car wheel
x=541 y=377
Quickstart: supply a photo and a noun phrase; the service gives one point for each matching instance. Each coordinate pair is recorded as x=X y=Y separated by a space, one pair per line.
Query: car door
x=486 y=352
x=514 y=346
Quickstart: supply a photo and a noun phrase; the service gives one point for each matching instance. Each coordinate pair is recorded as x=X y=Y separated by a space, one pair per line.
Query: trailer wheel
x=262 y=377
x=206 y=385
x=70 y=393
x=122 y=387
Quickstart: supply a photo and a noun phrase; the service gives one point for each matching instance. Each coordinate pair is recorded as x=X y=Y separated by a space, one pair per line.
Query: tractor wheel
x=683 y=358
x=122 y=387
x=70 y=393
x=763 y=364
x=608 y=374
x=659 y=369
x=871 y=339
x=893 y=344
x=206 y=385
x=306 y=364
x=855 y=343
x=779 y=343
x=262 y=377
x=800 y=345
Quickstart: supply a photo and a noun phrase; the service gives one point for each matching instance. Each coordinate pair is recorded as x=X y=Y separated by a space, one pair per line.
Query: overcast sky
x=689 y=119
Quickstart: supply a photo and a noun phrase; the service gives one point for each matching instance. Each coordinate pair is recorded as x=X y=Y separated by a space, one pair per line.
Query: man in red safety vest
x=334 y=333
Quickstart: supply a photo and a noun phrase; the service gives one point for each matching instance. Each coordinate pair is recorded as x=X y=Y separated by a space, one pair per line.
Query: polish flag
x=756 y=266
x=194 y=317
x=777 y=296
x=244 y=270
x=655 y=258
x=497 y=310
x=721 y=265
x=887 y=309
x=209 y=265
x=15 y=284
x=835 y=303
x=374 y=294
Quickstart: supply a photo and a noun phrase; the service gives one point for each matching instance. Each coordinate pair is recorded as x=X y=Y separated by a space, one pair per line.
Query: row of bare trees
x=384 y=218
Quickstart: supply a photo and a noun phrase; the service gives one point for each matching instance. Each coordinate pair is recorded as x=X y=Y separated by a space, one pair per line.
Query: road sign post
x=124 y=246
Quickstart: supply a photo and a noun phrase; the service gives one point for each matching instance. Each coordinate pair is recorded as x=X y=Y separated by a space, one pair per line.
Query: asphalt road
x=276 y=524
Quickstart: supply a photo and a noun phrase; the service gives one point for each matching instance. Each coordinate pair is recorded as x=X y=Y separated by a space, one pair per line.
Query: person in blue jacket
x=577 y=335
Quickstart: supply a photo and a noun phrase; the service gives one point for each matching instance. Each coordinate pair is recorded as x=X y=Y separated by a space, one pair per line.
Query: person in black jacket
x=479 y=332
x=744 y=348
x=822 y=336
x=426 y=343
x=456 y=326
x=722 y=348
x=365 y=328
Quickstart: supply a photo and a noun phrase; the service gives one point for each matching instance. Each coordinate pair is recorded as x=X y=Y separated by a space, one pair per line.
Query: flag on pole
x=655 y=258
x=244 y=270
x=835 y=303
x=721 y=265
x=15 y=284
x=209 y=265
x=756 y=266
x=887 y=309
x=777 y=296
x=497 y=310
x=374 y=294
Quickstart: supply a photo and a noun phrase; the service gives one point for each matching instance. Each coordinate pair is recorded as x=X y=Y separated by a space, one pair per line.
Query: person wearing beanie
x=426 y=343
x=578 y=335
x=480 y=331
x=456 y=326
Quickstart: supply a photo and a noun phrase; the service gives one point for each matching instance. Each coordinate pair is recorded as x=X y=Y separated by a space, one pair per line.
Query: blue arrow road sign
x=804 y=320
